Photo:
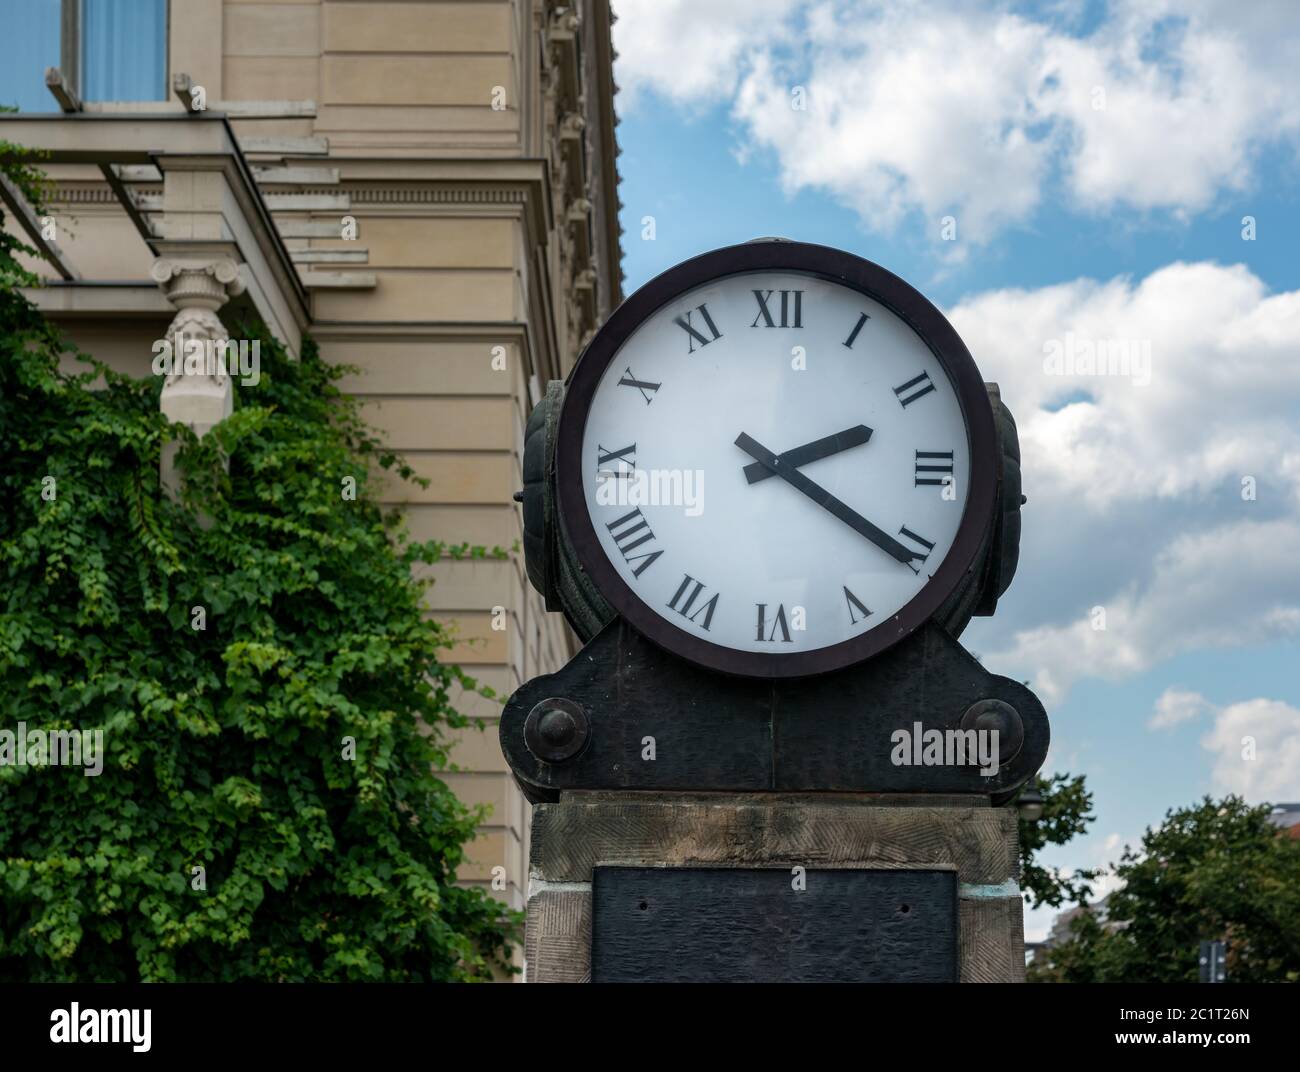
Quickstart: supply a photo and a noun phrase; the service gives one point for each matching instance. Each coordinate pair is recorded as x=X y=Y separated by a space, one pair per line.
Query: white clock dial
x=775 y=463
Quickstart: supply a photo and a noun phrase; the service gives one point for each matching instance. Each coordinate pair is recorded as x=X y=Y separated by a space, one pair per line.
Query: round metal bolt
x=556 y=730
x=1001 y=716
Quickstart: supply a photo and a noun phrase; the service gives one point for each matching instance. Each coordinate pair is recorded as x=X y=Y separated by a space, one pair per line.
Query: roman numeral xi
x=695 y=332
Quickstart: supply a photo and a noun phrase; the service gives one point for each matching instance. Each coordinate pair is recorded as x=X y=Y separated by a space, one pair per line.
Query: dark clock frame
x=869 y=279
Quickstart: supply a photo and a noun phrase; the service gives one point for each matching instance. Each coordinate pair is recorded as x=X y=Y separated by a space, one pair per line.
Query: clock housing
x=575 y=565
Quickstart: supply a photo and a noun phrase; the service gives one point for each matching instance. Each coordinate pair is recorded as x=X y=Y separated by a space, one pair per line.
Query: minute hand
x=826 y=500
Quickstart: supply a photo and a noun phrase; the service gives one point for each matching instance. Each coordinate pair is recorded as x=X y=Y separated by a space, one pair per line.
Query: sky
x=1060 y=178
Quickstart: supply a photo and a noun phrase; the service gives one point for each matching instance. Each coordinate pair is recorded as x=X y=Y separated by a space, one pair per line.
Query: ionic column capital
x=197 y=284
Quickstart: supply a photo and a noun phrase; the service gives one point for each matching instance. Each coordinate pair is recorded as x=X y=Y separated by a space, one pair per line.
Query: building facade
x=426 y=189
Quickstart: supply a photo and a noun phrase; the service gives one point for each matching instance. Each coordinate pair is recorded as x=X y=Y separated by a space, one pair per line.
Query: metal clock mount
x=648 y=706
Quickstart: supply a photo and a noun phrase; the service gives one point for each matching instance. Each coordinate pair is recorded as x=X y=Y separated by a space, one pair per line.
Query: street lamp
x=1030 y=802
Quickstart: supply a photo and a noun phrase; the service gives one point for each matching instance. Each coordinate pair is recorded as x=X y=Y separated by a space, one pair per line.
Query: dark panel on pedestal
x=659 y=924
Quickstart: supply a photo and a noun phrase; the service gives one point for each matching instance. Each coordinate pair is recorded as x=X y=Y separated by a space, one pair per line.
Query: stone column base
x=750 y=924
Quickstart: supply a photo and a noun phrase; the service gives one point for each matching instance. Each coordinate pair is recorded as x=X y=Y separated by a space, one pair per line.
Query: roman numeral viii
x=630 y=532
x=791 y=309
x=932 y=466
x=686 y=595
x=696 y=333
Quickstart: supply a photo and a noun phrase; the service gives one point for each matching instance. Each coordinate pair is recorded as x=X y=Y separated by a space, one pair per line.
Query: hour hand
x=826 y=500
x=812 y=452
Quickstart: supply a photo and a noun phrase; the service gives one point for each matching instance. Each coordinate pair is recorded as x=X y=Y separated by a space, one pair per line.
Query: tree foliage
x=1215 y=870
x=1067 y=811
x=226 y=745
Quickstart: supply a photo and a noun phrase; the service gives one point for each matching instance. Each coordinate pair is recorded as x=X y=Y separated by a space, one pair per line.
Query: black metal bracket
x=626 y=715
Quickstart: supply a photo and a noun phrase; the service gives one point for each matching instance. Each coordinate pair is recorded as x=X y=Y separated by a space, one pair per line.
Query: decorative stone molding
x=563 y=24
x=572 y=126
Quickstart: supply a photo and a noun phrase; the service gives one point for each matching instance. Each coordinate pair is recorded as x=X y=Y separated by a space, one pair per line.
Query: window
x=30 y=43
x=123 y=50
x=108 y=50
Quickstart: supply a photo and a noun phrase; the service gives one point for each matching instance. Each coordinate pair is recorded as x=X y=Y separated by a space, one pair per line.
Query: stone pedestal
x=853 y=887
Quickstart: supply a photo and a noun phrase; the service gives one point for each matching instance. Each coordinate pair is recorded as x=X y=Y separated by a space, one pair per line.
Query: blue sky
x=1097 y=161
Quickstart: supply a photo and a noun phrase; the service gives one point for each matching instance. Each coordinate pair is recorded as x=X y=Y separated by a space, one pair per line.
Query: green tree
x=1067 y=811
x=228 y=747
x=1215 y=870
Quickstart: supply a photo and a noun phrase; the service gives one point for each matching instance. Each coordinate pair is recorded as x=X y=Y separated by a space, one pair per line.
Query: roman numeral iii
x=932 y=466
x=695 y=332
x=791 y=309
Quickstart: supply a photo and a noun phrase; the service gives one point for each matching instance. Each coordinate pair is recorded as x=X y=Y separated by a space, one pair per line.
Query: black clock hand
x=812 y=452
x=827 y=501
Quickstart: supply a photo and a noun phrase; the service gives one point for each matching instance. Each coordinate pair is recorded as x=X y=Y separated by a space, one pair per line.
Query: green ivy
x=224 y=746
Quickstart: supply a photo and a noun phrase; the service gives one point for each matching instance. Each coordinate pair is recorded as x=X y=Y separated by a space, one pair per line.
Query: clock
x=775 y=460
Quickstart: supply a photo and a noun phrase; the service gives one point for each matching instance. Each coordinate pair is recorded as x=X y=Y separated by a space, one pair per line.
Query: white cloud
x=1135 y=492
x=1176 y=706
x=689 y=50
x=976 y=112
x=1256 y=745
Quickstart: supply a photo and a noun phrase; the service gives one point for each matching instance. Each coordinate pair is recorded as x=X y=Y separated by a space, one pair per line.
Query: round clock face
x=774 y=466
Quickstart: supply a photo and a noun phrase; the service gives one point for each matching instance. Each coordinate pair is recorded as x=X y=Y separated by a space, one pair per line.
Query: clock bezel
x=836 y=266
